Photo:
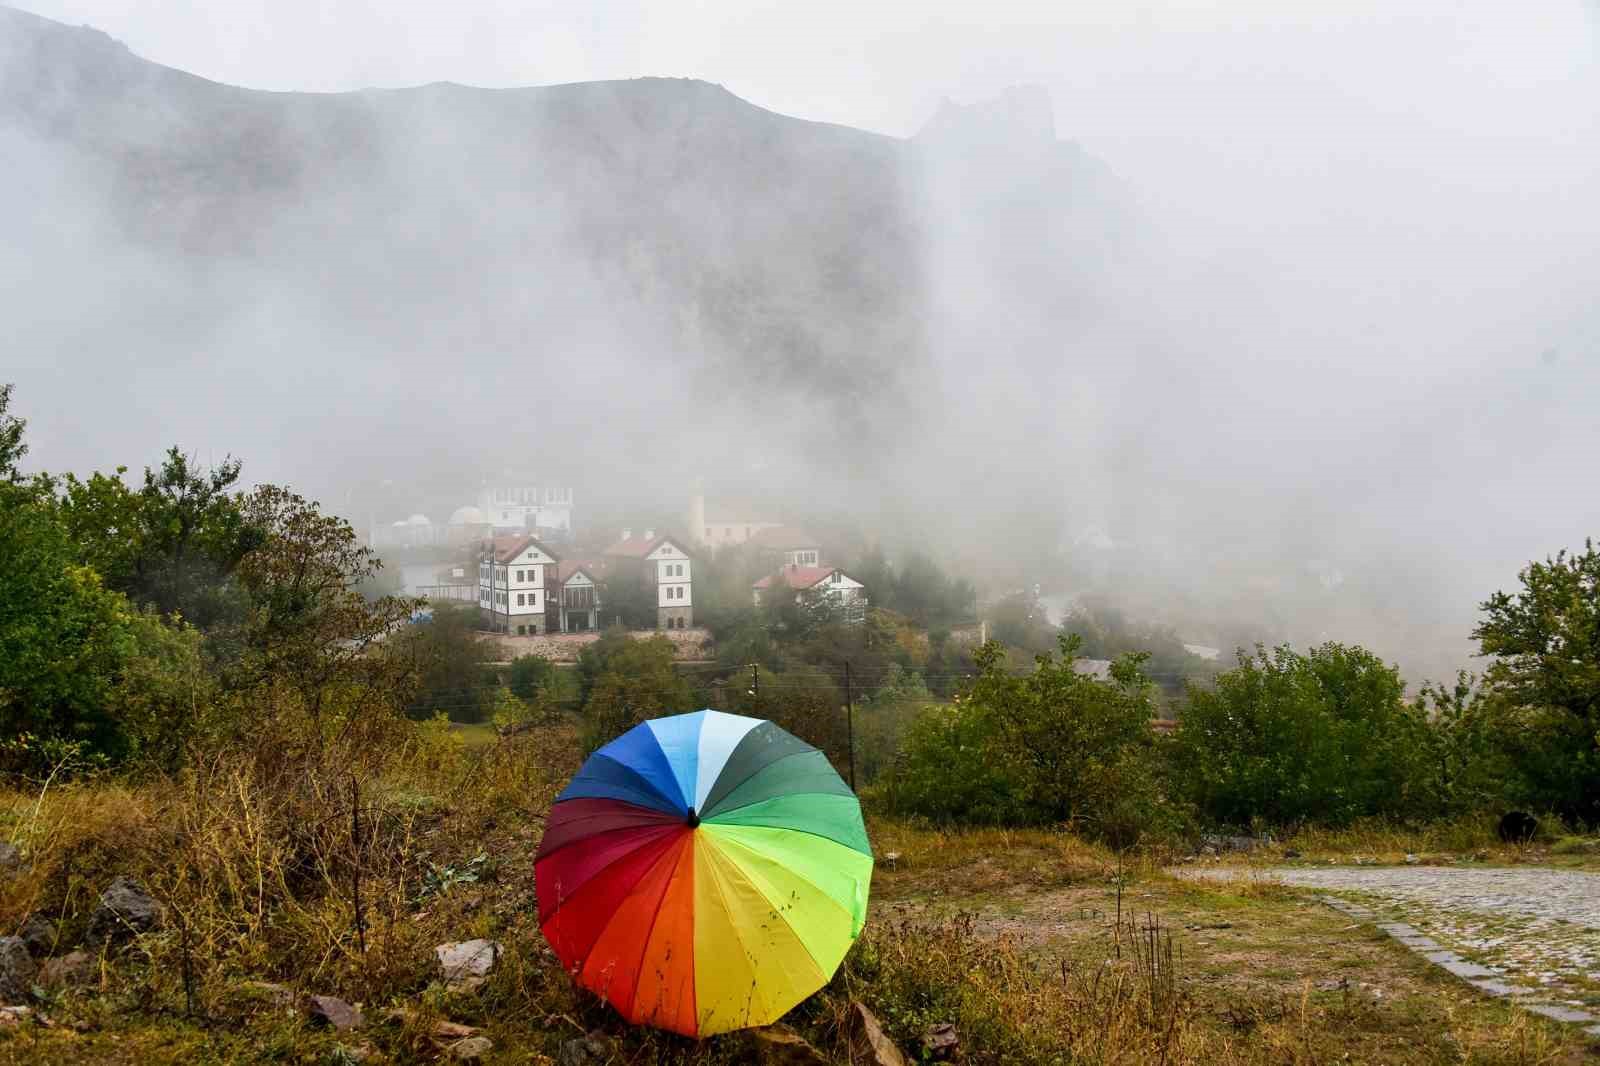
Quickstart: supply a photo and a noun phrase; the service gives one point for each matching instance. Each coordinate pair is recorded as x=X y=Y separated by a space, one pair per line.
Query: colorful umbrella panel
x=704 y=872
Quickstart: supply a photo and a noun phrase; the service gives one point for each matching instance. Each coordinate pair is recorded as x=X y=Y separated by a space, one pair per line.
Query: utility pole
x=850 y=723
x=755 y=681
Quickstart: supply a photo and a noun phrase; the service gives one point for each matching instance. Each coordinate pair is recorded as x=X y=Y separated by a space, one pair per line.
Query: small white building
x=580 y=596
x=509 y=508
x=663 y=563
x=788 y=545
x=517 y=580
x=817 y=586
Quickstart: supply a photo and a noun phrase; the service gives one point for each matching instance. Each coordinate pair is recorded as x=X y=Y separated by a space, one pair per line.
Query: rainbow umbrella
x=704 y=872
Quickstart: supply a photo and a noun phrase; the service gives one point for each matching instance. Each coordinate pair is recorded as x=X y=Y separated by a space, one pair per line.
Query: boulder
x=77 y=968
x=330 y=1010
x=471 y=1048
x=591 y=1050
x=941 y=1043
x=11 y=1017
x=779 y=1045
x=17 y=970
x=125 y=911
x=39 y=933
x=868 y=1042
x=10 y=858
x=468 y=962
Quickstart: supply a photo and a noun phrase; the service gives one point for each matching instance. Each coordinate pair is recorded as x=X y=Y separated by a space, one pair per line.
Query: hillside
x=445 y=230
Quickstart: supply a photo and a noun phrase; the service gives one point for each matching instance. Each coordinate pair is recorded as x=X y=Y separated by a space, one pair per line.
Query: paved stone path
x=1526 y=932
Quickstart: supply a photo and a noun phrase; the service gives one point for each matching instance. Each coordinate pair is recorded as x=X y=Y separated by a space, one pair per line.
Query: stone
x=591 y=1050
x=11 y=1017
x=468 y=962
x=335 y=1012
x=1412 y=860
x=125 y=911
x=779 y=1045
x=471 y=1049
x=868 y=1042
x=39 y=933
x=17 y=970
x=77 y=968
x=10 y=858
x=941 y=1043
x=1557 y=1012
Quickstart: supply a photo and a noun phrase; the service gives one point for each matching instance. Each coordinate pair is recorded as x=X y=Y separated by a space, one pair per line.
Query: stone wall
x=690 y=644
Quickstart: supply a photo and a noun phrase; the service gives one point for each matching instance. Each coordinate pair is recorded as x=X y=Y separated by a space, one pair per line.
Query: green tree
x=450 y=658
x=636 y=681
x=12 y=446
x=529 y=674
x=1288 y=738
x=1544 y=642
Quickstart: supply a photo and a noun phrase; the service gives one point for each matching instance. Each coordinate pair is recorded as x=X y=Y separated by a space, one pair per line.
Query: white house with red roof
x=664 y=563
x=816 y=586
x=517 y=580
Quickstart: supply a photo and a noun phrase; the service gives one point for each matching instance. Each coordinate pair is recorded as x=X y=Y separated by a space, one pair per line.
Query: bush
x=1286 y=738
x=1054 y=746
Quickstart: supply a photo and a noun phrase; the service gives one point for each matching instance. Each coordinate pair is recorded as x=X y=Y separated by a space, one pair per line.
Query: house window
x=533 y=599
x=519 y=599
x=836 y=577
x=522 y=631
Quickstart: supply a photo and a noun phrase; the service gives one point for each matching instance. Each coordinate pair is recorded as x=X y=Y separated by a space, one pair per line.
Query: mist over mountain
x=1346 y=416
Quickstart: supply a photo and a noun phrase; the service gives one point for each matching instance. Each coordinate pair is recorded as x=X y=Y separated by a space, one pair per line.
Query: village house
x=579 y=596
x=513 y=508
x=662 y=563
x=723 y=525
x=517 y=582
x=817 y=586
x=788 y=546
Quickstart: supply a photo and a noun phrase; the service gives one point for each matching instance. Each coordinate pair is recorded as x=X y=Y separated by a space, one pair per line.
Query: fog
x=1279 y=322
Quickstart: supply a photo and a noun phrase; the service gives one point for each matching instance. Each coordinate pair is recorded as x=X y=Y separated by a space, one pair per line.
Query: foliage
x=12 y=446
x=1285 y=738
x=1545 y=645
x=1108 y=632
x=1020 y=621
x=1054 y=746
x=1466 y=767
x=636 y=681
x=528 y=674
x=451 y=659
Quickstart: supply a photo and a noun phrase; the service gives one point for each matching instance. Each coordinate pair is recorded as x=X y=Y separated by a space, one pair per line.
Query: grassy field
x=1037 y=946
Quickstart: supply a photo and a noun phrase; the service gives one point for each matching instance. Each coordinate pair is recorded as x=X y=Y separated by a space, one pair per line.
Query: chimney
x=649 y=534
x=627 y=534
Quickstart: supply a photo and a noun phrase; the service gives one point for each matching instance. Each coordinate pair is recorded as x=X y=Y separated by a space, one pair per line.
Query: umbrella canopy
x=704 y=872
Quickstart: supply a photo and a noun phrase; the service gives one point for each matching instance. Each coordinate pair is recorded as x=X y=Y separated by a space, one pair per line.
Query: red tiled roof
x=798 y=577
x=508 y=548
x=784 y=538
x=565 y=571
x=638 y=547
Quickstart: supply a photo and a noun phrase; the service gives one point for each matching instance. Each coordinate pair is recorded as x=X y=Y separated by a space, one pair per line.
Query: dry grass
x=1037 y=946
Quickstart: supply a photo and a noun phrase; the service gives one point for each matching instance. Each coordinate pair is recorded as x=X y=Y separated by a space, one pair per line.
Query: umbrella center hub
x=693 y=819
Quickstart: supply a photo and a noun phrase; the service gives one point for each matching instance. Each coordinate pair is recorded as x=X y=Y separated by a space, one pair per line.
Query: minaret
x=697 y=511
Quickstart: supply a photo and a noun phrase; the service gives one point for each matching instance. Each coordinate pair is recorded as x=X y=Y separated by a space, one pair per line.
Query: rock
x=467 y=963
x=1208 y=851
x=330 y=1010
x=11 y=1017
x=779 y=1045
x=10 y=858
x=591 y=1050
x=125 y=911
x=941 y=1043
x=1412 y=860
x=16 y=970
x=39 y=933
x=868 y=1042
x=471 y=1049
x=1517 y=827
x=78 y=968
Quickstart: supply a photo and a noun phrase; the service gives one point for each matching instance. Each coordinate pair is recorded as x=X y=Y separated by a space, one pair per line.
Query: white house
x=817 y=586
x=511 y=508
x=517 y=580
x=664 y=563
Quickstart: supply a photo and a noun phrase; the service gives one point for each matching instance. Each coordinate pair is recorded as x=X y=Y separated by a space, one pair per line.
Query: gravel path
x=1520 y=931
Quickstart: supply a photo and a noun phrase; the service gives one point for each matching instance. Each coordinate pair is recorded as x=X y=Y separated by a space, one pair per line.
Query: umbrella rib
x=792 y=829
x=665 y=820
x=587 y=881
